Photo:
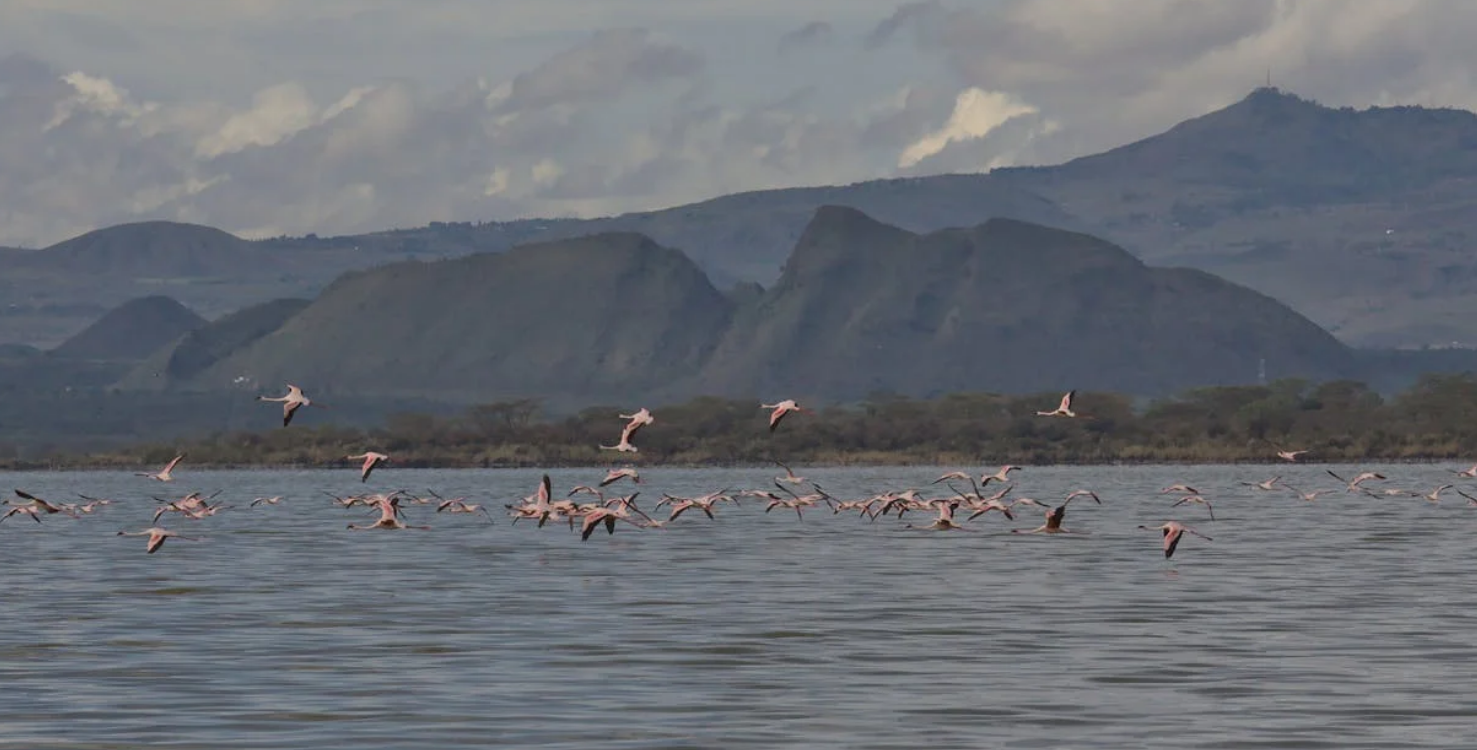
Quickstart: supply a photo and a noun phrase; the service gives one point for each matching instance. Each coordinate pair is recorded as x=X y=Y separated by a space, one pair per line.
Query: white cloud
x=976 y=113
x=276 y=112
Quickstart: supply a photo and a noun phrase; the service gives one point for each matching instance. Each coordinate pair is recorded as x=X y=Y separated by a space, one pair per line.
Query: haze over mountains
x=1358 y=219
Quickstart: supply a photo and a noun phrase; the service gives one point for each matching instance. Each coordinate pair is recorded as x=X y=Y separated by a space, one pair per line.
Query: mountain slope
x=209 y=344
x=132 y=331
x=604 y=316
x=1275 y=192
x=1004 y=306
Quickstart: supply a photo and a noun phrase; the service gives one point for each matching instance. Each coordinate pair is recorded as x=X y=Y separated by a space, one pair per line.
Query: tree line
x=1336 y=421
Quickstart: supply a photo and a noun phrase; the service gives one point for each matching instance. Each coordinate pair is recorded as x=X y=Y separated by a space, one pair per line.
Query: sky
x=270 y=117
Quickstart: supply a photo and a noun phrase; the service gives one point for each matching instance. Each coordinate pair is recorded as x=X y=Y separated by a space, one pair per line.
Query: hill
x=132 y=331
x=1274 y=191
x=608 y=316
x=210 y=343
x=1006 y=306
x=861 y=306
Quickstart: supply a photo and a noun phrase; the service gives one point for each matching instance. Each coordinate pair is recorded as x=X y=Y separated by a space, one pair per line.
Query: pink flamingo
x=780 y=410
x=1173 y=531
x=371 y=460
x=293 y=401
x=163 y=474
x=1064 y=409
x=157 y=536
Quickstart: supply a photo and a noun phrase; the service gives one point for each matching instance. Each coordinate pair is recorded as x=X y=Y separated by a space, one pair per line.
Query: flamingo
x=780 y=410
x=1082 y=493
x=1064 y=409
x=615 y=475
x=1182 y=488
x=291 y=402
x=371 y=460
x=44 y=506
x=1289 y=455
x=624 y=446
x=1053 y=523
x=1359 y=479
x=1309 y=496
x=1435 y=495
x=641 y=418
x=163 y=474
x=789 y=475
x=999 y=476
x=1173 y=530
x=1196 y=500
x=460 y=505
x=945 y=520
x=157 y=536
x=1267 y=485
x=268 y=500
x=1468 y=473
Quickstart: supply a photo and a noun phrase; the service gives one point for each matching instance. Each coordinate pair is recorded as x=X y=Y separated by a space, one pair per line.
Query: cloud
x=976 y=113
x=340 y=116
x=811 y=33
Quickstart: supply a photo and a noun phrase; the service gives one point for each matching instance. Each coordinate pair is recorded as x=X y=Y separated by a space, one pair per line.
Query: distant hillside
x=1361 y=219
x=1007 y=307
x=208 y=344
x=153 y=248
x=608 y=316
x=132 y=331
x=861 y=306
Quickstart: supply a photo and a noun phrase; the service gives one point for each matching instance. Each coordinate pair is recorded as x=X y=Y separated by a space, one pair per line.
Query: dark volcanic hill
x=607 y=316
x=1005 y=306
x=132 y=331
x=861 y=306
x=209 y=344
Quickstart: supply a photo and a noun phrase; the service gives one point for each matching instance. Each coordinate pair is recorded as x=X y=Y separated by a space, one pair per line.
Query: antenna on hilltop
x=1261 y=371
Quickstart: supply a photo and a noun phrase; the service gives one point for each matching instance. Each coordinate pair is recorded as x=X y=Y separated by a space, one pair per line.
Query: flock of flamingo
x=542 y=506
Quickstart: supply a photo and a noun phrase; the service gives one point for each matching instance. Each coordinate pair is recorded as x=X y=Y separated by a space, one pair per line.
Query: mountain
x=1360 y=219
x=608 y=316
x=210 y=343
x=132 y=331
x=1005 y=306
x=51 y=294
x=861 y=306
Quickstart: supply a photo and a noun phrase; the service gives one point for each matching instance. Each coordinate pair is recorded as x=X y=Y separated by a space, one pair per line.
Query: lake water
x=1341 y=623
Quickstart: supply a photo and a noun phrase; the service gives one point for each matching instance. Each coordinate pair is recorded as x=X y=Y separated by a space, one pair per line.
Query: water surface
x=1340 y=623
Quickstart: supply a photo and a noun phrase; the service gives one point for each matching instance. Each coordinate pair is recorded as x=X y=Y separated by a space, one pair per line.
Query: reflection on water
x=1340 y=623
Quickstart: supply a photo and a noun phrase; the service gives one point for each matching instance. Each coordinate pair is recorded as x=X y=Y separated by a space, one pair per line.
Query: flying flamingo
x=615 y=475
x=1435 y=495
x=371 y=460
x=624 y=446
x=1309 y=496
x=1359 y=479
x=1468 y=473
x=1064 y=409
x=1184 y=488
x=268 y=500
x=1289 y=455
x=1196 y=500
x=1173 y=530
x=157 y=536
x=1267 y=485
x=637 y=421
x=1053 y=523
x=163 y=474
x=789 y=475
x=780 y=410
x=291 y=402
x=999 y=476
